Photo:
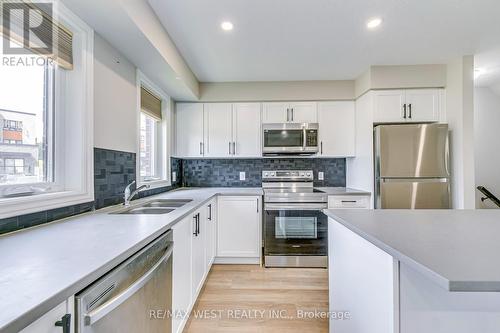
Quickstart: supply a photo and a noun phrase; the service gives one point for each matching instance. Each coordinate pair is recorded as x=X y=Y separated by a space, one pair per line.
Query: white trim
x=81 y=189
x=166 y=132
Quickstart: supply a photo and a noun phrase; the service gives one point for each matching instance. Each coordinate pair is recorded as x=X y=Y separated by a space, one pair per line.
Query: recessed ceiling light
x=374 y=22
x=226 y=26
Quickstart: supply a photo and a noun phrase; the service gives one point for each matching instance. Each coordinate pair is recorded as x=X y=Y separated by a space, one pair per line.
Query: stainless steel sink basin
x=145 y=211
x=169 y=203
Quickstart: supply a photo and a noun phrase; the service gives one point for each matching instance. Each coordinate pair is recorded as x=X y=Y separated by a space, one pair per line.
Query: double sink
x=156 y=207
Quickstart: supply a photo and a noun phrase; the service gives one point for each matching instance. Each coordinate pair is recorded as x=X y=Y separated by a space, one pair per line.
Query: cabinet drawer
x=349 y=201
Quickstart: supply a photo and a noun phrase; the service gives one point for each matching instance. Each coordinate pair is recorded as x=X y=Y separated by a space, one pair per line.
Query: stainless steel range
x=295 y=229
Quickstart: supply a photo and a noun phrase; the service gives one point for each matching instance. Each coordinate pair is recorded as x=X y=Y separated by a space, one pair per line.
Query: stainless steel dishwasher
x=134 y=297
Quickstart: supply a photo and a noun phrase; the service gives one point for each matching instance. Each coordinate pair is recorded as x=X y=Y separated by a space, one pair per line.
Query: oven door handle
x=302 y=206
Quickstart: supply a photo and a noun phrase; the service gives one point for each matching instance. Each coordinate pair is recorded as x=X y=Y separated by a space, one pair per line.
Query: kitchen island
x=414 y=271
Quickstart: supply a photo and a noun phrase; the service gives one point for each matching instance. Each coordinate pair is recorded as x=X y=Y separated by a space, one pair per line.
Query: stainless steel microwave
x=283 y=139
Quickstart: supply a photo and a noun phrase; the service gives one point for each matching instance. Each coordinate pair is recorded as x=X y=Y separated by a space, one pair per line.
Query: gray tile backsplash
x=226 y=172
x=113 y=170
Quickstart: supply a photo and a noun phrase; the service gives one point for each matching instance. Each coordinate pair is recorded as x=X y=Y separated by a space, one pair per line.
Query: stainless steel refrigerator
x=412 y=166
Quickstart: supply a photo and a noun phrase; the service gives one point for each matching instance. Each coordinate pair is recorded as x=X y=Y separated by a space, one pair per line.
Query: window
x=28 y=120
x=148 y=157
x=153 y=168
x=46 y=124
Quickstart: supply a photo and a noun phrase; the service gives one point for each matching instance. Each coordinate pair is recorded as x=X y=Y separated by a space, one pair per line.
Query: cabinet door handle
x=195 y=220
x=230 y=148
x=65 y=323
x=234 y=148
x=287 y=114
x=349 y=201
x=257 y=205
x=293 y=116
x=404 y=111
x=409 y=110
x=321 y=144
x=198 y=224
x=201 y=148
x=210 y=212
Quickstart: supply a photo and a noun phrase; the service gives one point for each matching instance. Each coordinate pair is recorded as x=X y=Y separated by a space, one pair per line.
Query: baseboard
x=236 y=261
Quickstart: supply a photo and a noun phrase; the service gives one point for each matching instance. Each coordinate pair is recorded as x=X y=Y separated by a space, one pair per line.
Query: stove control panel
x=276 y=175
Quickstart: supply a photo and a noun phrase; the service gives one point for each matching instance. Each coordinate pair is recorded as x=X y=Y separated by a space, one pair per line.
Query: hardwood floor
x=248 y=298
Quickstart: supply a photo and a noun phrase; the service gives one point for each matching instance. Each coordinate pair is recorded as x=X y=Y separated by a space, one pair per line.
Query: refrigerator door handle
x=415 y=180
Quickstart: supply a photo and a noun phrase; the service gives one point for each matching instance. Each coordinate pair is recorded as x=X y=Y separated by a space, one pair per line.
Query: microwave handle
x=304 y=143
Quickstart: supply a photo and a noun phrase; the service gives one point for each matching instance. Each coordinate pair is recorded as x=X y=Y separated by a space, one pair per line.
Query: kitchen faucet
x=128 y=195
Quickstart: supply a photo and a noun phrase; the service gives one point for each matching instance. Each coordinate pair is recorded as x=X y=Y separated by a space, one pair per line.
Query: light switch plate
x=321 y=176
x=174 y=176
x=243 y=175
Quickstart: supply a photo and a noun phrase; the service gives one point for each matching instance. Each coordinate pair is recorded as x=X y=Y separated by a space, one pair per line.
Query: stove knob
x=308 y=174
x=266 y=174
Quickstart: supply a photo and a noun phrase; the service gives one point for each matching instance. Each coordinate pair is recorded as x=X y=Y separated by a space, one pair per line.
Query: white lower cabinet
x=47 y=323
x=238 y=229
x=349 y=202
x=194 y=252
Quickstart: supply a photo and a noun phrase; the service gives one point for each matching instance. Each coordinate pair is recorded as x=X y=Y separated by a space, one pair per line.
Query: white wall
x=360 y=174
x=460 y=117
x=486 y=127
x=115 y=99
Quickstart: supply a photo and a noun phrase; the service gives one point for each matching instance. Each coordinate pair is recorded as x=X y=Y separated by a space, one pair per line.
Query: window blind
x=48 y=37
x=150 y=104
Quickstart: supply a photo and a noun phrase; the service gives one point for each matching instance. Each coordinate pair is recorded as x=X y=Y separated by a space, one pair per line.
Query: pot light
x=374 y=23
x=226 y=26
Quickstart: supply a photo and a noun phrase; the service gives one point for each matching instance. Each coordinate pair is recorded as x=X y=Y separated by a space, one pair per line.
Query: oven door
x=295 y=230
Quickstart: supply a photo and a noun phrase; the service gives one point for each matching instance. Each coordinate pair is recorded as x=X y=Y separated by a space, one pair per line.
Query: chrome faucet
x=128 y=195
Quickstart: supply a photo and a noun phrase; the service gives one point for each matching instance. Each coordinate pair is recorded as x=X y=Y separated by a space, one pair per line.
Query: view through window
x=148 y=141
x=25 y=123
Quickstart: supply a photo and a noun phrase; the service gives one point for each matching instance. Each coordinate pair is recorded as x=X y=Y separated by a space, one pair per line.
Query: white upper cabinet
x=388 y=105
x=221 y=130
x=247 y=130
x=423 y=105
x=337 y=129
x=290 y=112
x=409 y=105
x=218 y=130
x=304 y=112
x=189 y=130
x=275 y=113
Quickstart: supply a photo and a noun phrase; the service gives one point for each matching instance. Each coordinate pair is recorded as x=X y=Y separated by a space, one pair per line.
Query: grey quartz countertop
x=458 y=249
x=42 y=266
x=342 y=191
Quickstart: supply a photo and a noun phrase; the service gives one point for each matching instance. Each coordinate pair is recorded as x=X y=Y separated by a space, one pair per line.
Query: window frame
x=163 y=138
x=75 y=150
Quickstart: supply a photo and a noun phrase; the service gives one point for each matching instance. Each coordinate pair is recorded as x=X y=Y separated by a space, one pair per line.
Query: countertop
x=341 y=191
x=457 y=249
x=43 y=266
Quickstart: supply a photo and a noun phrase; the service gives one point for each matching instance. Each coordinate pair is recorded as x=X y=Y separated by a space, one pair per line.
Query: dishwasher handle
x=93 y=316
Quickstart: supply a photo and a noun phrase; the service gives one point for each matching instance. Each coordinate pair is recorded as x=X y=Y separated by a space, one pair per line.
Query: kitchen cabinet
x=337 y=129
x=198 y=244
x=218 y=129
x=290 y=112
x=238 y=229
x=182 y=292
x=407 y=105
x=247 y=130
x=211 y=232
x=189 y=130
x=47 y=323
x=349 y=202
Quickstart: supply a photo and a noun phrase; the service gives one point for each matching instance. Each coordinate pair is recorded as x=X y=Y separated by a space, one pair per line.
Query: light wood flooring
x=249 y=298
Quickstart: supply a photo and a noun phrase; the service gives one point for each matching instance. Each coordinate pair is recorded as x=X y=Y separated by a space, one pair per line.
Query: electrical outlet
x=321 y=176
x=243 y=175
x=174 y=176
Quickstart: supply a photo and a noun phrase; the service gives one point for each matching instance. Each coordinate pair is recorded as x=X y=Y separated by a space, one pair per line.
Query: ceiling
x=283 y=40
